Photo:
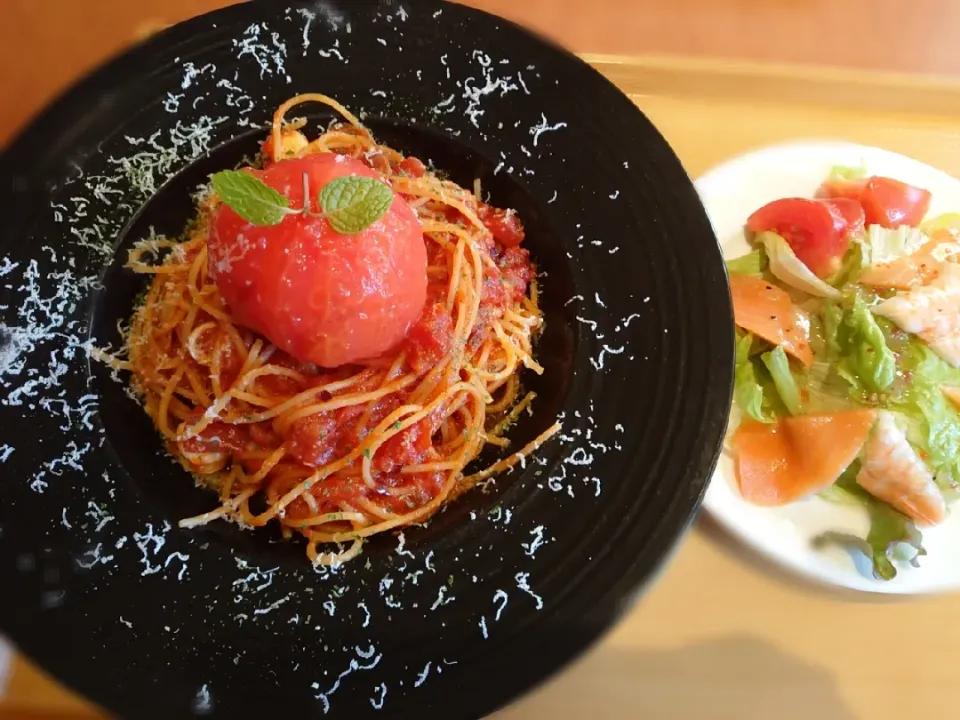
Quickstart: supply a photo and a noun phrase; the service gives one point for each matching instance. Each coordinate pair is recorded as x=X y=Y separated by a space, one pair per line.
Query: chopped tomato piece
x=263 y=435
x=430 y=339
x=409 y=447
x=413 y=167
x=818 y=231
x=516 y=272
x=377 y=161
x=503 y=224
x=313 y=439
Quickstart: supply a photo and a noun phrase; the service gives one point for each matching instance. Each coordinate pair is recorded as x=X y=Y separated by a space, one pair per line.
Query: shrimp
x=892 y=471
x=931 y=312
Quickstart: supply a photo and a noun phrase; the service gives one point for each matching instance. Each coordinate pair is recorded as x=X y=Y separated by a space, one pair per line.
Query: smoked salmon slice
x=797 y=456
x=768 y=312
x=907 y=272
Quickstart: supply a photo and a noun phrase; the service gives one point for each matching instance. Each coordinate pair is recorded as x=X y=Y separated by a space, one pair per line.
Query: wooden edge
x=13 y=714
x=32 y=694
x=779 y=83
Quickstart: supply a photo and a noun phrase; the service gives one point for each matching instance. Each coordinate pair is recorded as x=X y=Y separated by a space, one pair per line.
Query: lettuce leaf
x=883 y=245
x=753 y=263
x=831 y=315
x=787 y=388
x=866 y=361
x=824 y=391
x=933 y=420
x=844 y=172
x=947 y=221
x=836 y=381
x=850 y=268
x=747 y=391
x=888 y=527
x=787 y=267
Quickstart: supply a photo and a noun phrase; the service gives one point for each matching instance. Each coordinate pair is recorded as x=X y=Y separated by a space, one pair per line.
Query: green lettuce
x=933 y=423
x=884 y=245
x=824 y=391
x=788 y=269
x=753 y=263
x=747 y=390
x=778 y=365
x=831 y=315
x=850 y=267
x=844 y=172
x=888 y=527
x=948 y=221
x=860 y=349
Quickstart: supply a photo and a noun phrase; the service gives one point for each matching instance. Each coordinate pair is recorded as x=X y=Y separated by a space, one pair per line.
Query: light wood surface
x=719 y=636
x=45 y=44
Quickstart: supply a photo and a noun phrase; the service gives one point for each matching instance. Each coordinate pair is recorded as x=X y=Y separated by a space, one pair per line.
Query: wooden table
x=42 y=49
x=720 y=636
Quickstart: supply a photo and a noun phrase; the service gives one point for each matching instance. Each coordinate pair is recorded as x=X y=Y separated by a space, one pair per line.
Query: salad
x=848 y=359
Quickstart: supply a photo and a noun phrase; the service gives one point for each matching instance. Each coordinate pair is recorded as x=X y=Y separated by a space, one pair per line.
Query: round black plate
x=101 y=587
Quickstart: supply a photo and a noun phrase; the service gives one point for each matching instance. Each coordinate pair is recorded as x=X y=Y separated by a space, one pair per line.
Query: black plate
x=100 y=586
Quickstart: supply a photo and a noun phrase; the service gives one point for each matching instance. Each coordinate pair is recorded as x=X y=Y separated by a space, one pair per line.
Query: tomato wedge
x=885 y=201
x=891 y=203
x=842 y=188
x=852 y=213
x=818 y=231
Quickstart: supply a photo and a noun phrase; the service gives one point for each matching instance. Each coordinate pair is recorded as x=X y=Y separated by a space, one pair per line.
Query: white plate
x=731 y=192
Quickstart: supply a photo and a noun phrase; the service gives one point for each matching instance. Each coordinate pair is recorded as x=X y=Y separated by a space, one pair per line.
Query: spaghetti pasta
x=339 y=455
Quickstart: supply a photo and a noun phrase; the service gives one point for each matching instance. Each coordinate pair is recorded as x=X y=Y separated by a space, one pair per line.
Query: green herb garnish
x=250 y=198
x=354 y=203
x=351 y=203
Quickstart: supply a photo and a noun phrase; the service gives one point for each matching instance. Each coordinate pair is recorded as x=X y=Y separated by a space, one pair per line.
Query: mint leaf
x=354 y=203
x=250 y=198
